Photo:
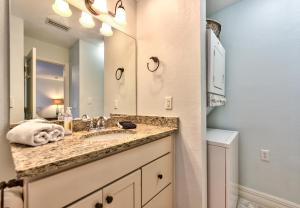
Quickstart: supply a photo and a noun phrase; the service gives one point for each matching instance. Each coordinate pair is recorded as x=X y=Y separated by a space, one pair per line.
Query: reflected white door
x=30 y=85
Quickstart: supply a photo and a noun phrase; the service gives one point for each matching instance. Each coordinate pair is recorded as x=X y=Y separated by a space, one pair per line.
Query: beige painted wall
x=6 y=165
x=120 y=51
x=170 y=30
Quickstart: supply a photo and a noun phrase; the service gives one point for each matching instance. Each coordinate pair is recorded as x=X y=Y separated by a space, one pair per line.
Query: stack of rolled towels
x=35 y=132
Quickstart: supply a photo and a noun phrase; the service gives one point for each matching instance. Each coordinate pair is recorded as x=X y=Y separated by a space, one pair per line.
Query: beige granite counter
x=75 y=150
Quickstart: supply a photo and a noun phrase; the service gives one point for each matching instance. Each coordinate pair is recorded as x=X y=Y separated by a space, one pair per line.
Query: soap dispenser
x=68 y=121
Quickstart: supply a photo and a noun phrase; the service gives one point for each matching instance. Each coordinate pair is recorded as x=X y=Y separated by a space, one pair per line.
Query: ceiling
x=213 y=6
x=34 y=23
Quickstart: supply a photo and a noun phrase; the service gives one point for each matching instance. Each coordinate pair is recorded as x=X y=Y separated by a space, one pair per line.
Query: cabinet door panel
x=162 y=200
x=124 y=193
x=92 y=201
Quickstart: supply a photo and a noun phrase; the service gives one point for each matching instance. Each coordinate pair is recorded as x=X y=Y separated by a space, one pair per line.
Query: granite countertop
x=77 y=149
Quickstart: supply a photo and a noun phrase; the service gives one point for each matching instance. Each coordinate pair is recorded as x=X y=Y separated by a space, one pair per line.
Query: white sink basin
x=109 y=136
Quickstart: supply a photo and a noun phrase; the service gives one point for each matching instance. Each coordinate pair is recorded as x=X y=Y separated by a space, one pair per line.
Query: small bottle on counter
x=60 y=116
x=68 y=121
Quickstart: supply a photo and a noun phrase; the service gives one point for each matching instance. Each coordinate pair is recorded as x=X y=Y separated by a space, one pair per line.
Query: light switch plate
x=265 y=155
x=168 y=103
x=11 y=102
x=116 y=106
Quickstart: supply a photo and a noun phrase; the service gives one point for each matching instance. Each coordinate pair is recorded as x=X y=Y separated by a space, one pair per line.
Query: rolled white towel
x=35 y=133
x=13 y=198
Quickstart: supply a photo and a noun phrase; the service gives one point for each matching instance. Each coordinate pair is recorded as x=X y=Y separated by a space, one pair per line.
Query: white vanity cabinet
x=123 y=193
x=136 y=178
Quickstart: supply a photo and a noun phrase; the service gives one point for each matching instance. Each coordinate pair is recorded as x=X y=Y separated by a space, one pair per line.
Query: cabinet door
x=92 y=201
x=124 y=193
x=216 y=167
x=162 y=200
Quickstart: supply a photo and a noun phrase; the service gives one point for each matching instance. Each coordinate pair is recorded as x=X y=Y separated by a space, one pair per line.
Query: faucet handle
x=99 y=123
x=85 y=117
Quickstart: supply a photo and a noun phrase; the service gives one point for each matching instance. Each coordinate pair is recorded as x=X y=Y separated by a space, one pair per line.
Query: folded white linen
x=35 y=133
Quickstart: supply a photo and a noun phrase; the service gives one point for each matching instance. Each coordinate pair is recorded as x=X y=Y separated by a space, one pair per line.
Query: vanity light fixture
x=86 y=20
x=61 y=7
x=106 y=29
x=100 y=6
x=120 y=13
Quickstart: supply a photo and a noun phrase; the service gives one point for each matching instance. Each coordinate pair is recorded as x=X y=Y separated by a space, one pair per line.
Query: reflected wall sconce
x=62 y=8
x=106 y=29
x=119 y=73
x=86 y=20
x=57 y=102
x=96 y=7
x=156 y=61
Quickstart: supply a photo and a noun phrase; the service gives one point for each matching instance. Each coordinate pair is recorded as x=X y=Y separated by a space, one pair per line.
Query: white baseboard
x=264 y=199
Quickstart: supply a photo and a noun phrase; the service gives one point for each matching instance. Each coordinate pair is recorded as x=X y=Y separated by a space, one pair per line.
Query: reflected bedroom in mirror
x=75 y=61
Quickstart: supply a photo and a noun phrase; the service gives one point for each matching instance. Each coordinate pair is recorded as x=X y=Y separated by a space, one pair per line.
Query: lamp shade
x=58 y=101
x=100 y=6
x=86 y=20
x=120 y=17
x=106 y=29
x=62 y=8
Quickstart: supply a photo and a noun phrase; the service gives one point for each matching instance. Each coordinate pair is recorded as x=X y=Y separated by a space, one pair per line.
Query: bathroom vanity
x=67 y=64
x=88 y=169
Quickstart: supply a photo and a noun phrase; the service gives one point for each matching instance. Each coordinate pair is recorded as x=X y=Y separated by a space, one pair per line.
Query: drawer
x=91 y=201
x=163 y=200
x=156 y=176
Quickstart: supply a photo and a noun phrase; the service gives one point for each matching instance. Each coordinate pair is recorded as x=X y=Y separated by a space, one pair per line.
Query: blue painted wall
x=262 y=40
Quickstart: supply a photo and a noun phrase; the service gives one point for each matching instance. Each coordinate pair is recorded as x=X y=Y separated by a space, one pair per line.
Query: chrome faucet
x=100 y=122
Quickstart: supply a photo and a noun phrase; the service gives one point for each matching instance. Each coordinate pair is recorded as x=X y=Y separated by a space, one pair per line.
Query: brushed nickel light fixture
x=61 y=7
x=97 y=7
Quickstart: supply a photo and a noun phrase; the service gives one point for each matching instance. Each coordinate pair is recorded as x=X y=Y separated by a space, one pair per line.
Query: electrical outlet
x=90 y=100
x=11 y=102
x=168 y=103
x=265 y=155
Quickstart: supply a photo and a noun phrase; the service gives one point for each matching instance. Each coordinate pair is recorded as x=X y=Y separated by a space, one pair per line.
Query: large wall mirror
x=55 y=62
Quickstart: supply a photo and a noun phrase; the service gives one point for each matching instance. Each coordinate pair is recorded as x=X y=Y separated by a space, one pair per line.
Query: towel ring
x=155 y=60
x=119 y=73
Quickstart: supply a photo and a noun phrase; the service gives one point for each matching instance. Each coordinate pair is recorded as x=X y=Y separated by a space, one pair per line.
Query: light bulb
x=62 y=8
x=106 y=29
x=86 y=20
x=120 y=16
x=100 y=6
